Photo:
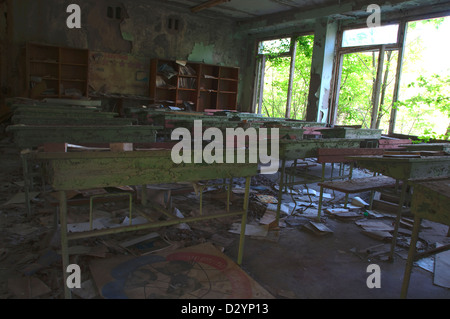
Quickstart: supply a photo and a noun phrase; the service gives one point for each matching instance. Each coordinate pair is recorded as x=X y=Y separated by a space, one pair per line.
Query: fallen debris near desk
x=87 y=290
x=343 y=213
x=250 y=230
x=377 y=234
x=267 y=199
x=442 y=268
x=374 y=225
x=146 y=244
x=19 y=198
x=269 y=219
x=357 y=201
x=318 y=228
x=27 y=287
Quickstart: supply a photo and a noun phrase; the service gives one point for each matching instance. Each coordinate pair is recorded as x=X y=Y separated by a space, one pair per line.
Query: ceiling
x=247 y=9
x=244 y=10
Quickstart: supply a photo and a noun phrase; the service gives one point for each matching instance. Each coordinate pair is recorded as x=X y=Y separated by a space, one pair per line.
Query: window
x=274 y=47
x=366 y=81
x=283 y=78
x=370 y=36
x=424 y=94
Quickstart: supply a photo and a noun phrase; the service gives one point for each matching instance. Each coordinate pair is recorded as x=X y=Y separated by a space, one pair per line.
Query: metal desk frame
x=133 y=168
x=405 y=169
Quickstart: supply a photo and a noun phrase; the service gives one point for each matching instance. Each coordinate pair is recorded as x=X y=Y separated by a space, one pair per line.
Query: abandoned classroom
x=224 y=149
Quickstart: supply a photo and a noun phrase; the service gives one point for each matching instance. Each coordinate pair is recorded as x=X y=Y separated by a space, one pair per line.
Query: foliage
x=359 y=72
x=432 y=95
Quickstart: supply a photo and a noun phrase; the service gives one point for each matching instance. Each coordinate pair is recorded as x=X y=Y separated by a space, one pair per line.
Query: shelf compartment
x=74 y=56
x=228 y=86
x=54 y=71
x=226 y=101
x=229 y=73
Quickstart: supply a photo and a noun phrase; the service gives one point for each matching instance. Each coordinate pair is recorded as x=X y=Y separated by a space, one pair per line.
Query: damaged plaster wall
x=143 y=29
x=149 y=25
x=3 y=48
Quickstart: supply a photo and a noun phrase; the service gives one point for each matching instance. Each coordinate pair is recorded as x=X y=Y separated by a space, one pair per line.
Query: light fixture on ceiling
x=208 y=4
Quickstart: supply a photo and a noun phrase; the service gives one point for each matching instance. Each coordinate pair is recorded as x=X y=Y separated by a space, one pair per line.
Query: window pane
x=275 y=46
x=425 y=81
x=370 y=36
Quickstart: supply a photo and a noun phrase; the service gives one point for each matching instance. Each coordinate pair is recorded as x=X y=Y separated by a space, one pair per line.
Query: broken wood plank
x=318 y=228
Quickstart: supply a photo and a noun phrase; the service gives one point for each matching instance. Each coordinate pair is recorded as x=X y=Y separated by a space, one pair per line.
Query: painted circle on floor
x=190 y=275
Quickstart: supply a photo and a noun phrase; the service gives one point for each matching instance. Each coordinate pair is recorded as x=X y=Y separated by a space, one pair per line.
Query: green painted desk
x=405 y=169
x=30 y=136
x=85 y=170
x=431 y=201
x=346 y=132
x=68 y=120
x=429 y=147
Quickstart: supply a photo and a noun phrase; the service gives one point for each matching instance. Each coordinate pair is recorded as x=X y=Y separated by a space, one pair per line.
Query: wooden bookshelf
x=56 y=72
x=197 y=85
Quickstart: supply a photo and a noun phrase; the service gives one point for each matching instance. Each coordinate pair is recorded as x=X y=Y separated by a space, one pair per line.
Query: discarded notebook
x=343 y=213
x=145 y=244
x=318 y=228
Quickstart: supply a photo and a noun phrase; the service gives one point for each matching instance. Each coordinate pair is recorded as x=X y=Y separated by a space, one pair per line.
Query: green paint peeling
x=127 y=36
x=203 y=53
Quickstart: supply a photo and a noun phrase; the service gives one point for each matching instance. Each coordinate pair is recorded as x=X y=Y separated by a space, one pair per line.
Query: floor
x=289 y=262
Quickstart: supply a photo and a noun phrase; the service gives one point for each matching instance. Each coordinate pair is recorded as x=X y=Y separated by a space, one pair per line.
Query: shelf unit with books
x=196 y=86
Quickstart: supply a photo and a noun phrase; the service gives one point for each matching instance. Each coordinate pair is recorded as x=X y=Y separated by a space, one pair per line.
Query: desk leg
x=229 y=192
x=323 y=172
x=64 y=240
x=144 y=195
x=26 y=180
x=397 y=220
x=319 y=209
x=280 y=191
x=244 y=221
x=411 y=254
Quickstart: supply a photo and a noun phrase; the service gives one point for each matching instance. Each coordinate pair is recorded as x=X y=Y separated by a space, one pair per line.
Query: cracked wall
x=144 y=29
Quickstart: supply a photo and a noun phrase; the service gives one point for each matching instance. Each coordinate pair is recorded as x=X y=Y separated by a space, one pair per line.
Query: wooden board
x=68 y=120
x=198 y=272
x=291 y=150
x=29 y=136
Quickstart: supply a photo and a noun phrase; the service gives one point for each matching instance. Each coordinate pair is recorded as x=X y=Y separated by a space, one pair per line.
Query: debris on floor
x=201 y=271
x=442 y=268
x=317 y=228
x=27 y=287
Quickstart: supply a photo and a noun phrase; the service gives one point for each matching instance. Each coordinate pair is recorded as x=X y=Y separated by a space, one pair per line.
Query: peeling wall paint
x=202 y=53
x=142 y=31
x=3 y=48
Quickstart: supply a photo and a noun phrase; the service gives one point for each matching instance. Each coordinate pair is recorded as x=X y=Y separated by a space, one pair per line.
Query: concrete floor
x=300 y=264
x=290 y=263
